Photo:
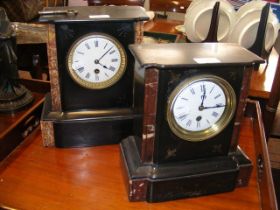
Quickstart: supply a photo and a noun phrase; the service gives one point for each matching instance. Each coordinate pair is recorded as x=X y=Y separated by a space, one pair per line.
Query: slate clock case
x=192 y=103
x=74 y=96
x=91 y=73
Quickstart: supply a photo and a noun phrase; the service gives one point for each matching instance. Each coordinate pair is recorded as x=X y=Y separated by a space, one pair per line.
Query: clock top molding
x=200 y=55
x=93 y=13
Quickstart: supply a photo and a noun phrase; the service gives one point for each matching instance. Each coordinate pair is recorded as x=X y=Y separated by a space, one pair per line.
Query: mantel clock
x=91 y=73
x=192 y=98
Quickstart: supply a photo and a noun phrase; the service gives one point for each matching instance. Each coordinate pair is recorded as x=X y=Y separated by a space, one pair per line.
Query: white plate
x=188 y=24
x=198 y=18
x=193 y=3
x=245 y=30
x=150 y=14
x=250 y=7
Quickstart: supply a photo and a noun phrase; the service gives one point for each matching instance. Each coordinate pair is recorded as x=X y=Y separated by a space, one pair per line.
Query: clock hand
x=104 y=54
x=104 y=66
x=213 y=107
x=203 y=96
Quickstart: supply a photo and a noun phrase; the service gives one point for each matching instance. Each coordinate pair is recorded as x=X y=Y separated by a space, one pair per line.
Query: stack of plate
x=244 y=31
x=198 y=18
x=237 y=27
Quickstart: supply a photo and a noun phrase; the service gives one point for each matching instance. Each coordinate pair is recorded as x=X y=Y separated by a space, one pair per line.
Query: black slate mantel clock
x=192 y=98
x=91 y=74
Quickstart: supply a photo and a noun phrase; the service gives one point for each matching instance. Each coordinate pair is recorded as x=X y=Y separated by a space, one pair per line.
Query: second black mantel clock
x=91 y=74
x=192 y=100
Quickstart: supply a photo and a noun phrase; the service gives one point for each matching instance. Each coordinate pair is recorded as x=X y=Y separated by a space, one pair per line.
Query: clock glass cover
x=200 y=107
x=96 y=61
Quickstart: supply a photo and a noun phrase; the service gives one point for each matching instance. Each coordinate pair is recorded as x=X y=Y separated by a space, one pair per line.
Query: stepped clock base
x=85 y=128
x=162 y=182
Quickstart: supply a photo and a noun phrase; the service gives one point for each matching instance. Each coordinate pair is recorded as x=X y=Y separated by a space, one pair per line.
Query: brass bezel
x=196 y=136
x=97 y=85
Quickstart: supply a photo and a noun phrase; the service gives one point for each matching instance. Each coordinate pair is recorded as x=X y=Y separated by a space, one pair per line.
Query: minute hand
x=213 y=107
x=203 y=96
x=104 y=54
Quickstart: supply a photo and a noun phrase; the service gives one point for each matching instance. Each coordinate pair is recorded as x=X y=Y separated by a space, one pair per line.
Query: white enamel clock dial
x=200 y=107
x=96 y=61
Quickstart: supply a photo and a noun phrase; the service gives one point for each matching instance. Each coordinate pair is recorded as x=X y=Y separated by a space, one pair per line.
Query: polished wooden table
x=36 y=177
x=261 y=81
x=163 y=26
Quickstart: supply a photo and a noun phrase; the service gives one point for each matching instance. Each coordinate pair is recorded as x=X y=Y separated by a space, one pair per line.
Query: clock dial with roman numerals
x=96 y=61
x=200 y=107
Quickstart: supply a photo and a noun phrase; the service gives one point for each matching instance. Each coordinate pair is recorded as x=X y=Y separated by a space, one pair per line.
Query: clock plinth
x=155 y=183
x=192 y=98
x=91 y=74
x=85 y=128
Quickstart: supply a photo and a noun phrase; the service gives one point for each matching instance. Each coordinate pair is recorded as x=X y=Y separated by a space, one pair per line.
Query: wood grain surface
x=163 y=26
x=35 y=177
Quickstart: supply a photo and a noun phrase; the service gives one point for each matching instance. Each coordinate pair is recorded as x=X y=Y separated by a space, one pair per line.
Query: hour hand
x=98 y=62
x=104 y=66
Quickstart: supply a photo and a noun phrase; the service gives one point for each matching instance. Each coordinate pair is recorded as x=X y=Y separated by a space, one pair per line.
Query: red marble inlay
x=150 y=109
x=53 y=69
x=241 y=108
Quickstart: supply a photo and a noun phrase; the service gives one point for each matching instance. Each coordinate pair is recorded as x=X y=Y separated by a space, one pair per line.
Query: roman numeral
x=81 y=53
x=81 y=69
x=87 y=75
x=215 y=114
x=198 y=124
x=212 y=89
x=106 y=75
x=112 y=68
x=114 y=60
x=202 y=88
x=185 y=99
x=96 y=43
x=87 y=46
x=182 y=117
x=96 y=77
x=188 y=124
x=217 y=96
x=192 y=91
